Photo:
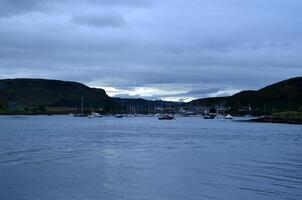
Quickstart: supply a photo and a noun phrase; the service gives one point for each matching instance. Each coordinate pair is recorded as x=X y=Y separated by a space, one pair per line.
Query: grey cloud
x=12 y=7
x=182 y=96
x=128 y=3
x=100 y=20
x=208 y=46
x=203 y=92
x=16 y=7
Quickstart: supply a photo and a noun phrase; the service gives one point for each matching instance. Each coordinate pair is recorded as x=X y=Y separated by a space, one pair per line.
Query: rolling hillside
x=51 y=93
x=282 y=96
x=21 y=93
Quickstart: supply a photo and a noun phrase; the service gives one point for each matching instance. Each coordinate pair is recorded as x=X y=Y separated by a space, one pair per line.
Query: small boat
x=80 y=115
x=94 y=115
x=82 y=110
x=229 y=117
x=166 y=117
x=119 y=116
x=209 y=116
x=206 y=117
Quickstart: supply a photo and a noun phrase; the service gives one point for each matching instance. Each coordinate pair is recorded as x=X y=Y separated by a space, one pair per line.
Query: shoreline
x=266 y=119
x=278 y=120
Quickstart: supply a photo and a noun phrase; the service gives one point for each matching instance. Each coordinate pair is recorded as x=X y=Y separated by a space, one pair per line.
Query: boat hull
x=166 y=117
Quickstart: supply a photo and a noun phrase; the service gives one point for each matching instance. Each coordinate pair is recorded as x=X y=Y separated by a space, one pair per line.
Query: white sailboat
x=229 y=117
x=82 y=109
x=94 y=115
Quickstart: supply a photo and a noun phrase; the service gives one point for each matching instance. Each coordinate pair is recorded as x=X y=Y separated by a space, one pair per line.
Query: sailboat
x=119 y=116
x=82 y=110
x=229 y=116
x=94 y=115
x=166 y=117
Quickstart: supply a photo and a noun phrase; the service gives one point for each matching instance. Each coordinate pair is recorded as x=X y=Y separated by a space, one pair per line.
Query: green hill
x=50 y=93
x=60 y=96
x=279 y=97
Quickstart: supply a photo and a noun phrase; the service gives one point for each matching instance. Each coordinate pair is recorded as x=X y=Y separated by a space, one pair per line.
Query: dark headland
x=280 y=102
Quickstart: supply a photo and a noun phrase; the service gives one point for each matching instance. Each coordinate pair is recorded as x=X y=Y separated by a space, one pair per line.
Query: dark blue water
x=64 y=158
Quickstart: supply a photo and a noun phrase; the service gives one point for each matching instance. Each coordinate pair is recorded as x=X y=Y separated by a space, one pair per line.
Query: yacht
x=209 y=116
x=166 y=117
x=94 y=115
x=229 y=117
x=119 y=116
x=82 y=109
x=80 y=115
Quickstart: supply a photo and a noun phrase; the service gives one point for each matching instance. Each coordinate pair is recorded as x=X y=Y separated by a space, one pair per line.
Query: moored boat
x=209 y=116
x=229 y=117
x=82 y=110
x=94 y=115
x=80 y=115
x=166 y=117
x=119 y=116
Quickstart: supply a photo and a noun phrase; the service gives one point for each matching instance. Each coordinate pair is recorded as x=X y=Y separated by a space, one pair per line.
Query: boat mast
x=82 y=104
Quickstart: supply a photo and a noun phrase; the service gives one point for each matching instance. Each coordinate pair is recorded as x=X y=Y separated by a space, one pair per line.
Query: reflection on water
x=62 y=157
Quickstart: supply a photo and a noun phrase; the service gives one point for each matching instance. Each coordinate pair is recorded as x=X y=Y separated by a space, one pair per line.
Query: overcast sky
x=170 y=49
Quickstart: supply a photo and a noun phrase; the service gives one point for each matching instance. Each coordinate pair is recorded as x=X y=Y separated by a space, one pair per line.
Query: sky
x=156 y=49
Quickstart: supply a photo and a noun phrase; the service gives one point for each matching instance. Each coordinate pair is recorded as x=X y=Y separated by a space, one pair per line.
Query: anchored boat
x=94 y=115
x=166 y=117
x=229 y=117
x=119 y=116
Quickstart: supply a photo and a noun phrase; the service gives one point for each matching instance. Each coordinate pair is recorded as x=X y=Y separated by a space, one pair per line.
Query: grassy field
x=289 y=114
x=36 y=111
x=289 y=117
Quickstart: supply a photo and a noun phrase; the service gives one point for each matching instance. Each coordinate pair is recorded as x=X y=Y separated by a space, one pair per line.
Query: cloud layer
x=156 y=49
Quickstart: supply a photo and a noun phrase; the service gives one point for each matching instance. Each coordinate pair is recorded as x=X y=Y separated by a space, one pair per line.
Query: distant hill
x=144 y=102
x=52 y=93
x=55 y=93
x=282 y=96
x=142 y=105
x=279 y=97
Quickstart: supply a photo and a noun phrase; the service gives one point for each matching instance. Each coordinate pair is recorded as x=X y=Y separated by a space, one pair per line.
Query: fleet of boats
x=165 y=116
x=93 y=115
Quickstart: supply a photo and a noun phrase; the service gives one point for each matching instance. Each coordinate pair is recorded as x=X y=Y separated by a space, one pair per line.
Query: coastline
x=278 y=120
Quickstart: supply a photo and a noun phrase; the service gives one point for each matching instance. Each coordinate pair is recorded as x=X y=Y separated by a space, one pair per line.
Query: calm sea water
x=64 y=158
